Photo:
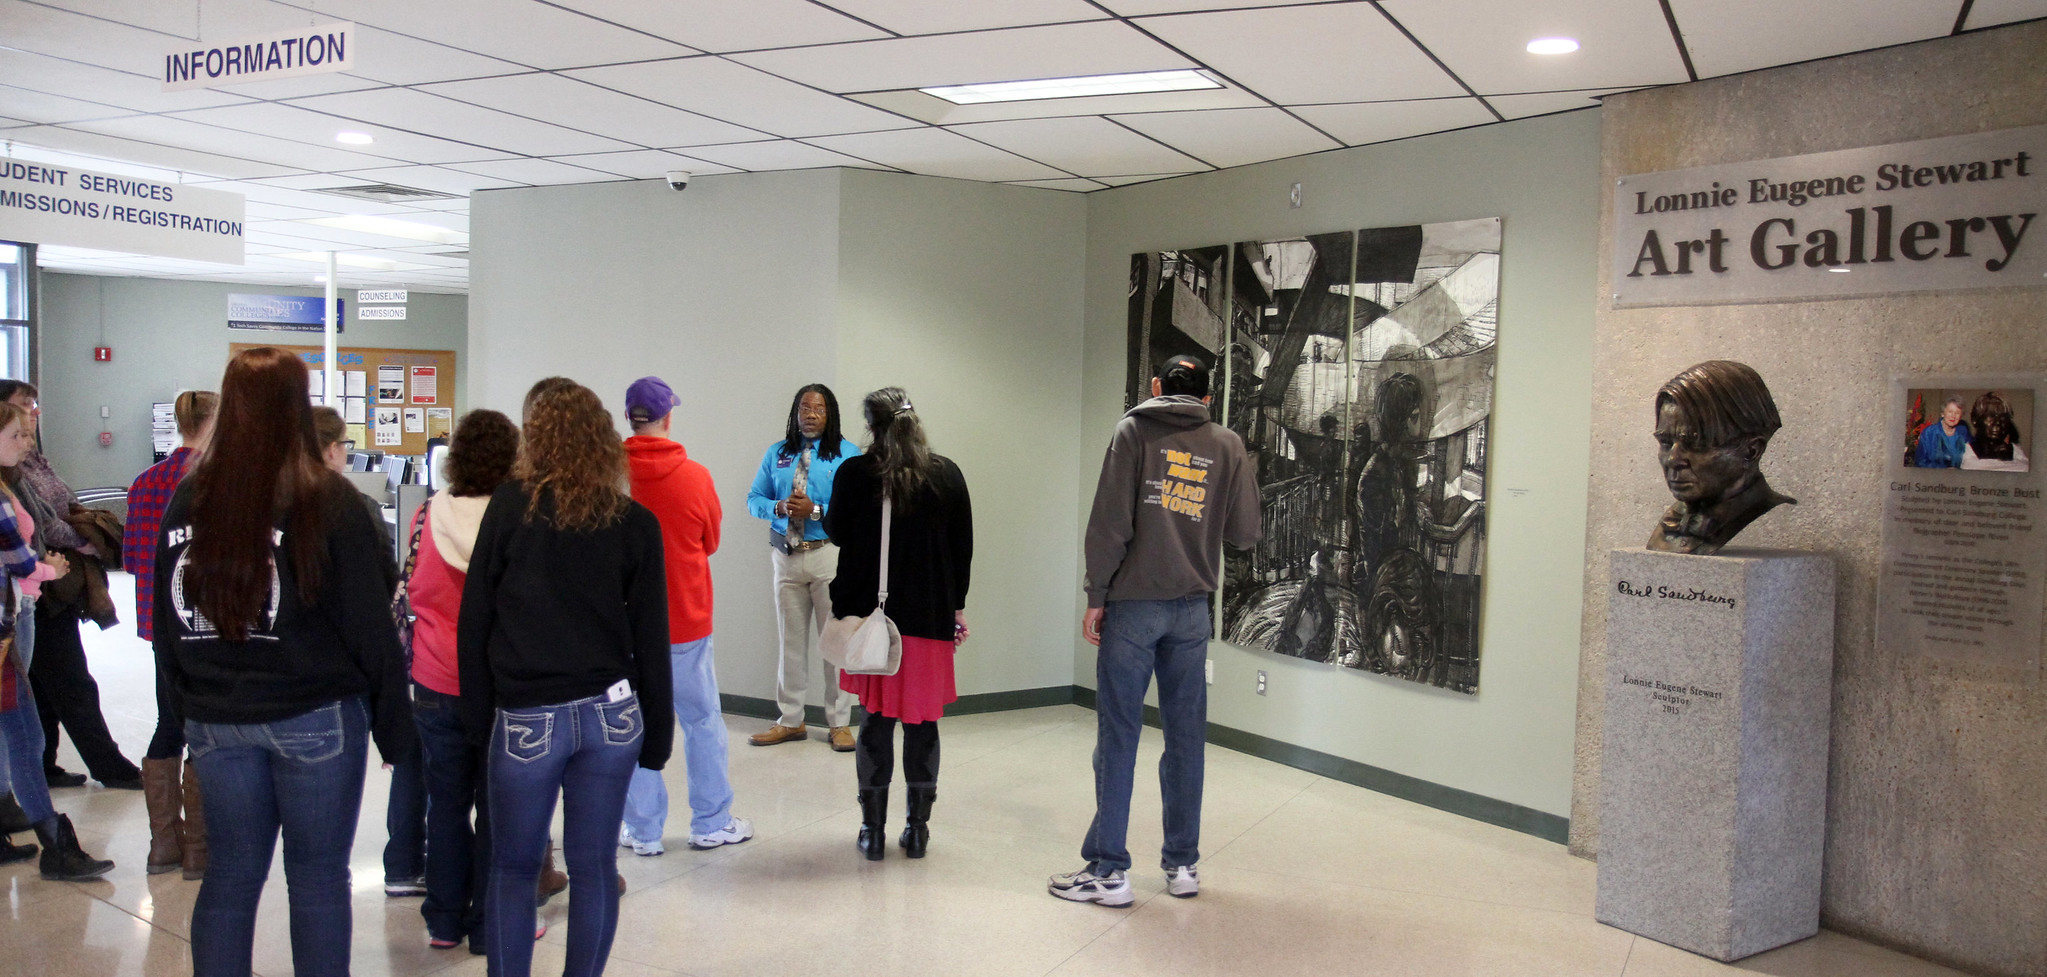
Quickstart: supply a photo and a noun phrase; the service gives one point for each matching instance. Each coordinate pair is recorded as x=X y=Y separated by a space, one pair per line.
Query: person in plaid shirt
x=177 y=825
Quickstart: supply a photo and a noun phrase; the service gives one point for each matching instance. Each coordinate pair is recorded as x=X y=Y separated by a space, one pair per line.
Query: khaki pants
x=803 y=595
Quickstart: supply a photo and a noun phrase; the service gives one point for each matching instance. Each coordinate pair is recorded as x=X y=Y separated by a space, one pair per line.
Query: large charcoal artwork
x=1359 y=372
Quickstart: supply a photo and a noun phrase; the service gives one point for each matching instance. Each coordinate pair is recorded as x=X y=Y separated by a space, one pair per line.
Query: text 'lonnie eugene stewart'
x=1872 y=233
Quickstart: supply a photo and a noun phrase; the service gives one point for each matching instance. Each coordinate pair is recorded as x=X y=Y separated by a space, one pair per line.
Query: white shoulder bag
x=868 y=645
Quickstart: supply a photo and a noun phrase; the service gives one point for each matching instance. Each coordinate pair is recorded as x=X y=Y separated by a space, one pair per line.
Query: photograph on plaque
x=1358 y=368
x=1973 y=429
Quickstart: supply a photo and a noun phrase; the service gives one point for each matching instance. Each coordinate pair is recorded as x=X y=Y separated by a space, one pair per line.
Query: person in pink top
x=457 y=855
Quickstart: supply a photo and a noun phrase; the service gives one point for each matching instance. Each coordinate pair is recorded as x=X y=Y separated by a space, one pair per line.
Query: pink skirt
x=917 y=692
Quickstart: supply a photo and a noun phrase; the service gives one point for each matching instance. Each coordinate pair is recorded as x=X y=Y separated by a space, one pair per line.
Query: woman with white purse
x=928 y=546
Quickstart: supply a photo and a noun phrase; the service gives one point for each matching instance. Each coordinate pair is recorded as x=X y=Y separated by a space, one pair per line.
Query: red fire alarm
x=106 y=439
x=102 y=354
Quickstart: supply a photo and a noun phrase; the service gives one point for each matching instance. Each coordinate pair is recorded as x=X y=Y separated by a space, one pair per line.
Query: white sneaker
x=626 y=840
x=1112 y=890
x=1182 y=882
x=735 y=831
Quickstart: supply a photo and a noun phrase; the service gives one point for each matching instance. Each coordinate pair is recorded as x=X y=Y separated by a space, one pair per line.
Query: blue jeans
x=1140 y=637
x=302 y=776
x=703 y=750
x=585 y=751
x=457 y=855
x=21 y=735
x=405 y=823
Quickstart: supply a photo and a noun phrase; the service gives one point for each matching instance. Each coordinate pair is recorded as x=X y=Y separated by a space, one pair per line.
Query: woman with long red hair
x=273 y=630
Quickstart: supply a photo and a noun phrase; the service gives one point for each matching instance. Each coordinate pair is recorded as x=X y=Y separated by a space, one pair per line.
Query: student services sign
x=44 y=204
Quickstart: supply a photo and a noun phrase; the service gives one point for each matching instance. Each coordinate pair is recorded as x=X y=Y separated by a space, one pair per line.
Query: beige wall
x=1935 y=835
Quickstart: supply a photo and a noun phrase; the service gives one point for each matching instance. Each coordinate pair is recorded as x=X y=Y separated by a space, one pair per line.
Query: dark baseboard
x=1541 y=824
x=1478 y=807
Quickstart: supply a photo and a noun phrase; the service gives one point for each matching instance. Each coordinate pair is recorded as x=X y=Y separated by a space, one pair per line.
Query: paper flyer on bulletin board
x=425 y=385
x=388 y=433
x=391 y=384
x=440 y=422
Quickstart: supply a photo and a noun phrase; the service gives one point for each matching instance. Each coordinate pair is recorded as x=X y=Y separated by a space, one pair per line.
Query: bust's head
x=1713 y=422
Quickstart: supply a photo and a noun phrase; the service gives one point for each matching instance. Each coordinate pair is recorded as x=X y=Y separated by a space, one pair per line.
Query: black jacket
x=551 y=616
x=299 y=656
x=931 y=546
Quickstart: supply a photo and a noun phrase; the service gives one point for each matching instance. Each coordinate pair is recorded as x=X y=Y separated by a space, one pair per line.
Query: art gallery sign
x=44 y=204
x=1937 y=214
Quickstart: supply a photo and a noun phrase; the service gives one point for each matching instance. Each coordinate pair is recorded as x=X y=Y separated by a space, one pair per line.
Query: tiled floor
x=1301 y=875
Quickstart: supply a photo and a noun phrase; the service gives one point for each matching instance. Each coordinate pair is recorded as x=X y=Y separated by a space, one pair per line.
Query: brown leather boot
x=163 y=796
x=552 y=879
x=193 y=838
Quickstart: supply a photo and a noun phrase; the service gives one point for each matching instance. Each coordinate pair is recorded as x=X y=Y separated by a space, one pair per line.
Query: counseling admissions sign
x=44 y=204
x=1936 y=214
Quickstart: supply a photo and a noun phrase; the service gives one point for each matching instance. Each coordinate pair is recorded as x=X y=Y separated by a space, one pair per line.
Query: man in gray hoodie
x=1175 y=487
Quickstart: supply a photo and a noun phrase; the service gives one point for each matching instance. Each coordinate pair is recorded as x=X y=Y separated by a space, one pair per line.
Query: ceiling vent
x=385 y=193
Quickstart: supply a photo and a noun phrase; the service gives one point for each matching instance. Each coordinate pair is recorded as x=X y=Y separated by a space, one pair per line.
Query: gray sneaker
x=1112 y=890
x=1182 y=882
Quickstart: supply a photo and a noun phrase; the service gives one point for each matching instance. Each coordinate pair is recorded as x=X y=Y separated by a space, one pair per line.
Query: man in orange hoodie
x=681 y=496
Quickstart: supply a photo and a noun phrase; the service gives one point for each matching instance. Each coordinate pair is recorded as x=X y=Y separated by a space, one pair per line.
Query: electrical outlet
x=1211 y=671
x=1261 y=681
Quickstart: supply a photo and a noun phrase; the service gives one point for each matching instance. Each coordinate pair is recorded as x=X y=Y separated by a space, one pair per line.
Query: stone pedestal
x=1714 y=785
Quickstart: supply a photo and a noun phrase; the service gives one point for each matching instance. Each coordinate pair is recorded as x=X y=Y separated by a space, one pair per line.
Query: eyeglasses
x=817 y=412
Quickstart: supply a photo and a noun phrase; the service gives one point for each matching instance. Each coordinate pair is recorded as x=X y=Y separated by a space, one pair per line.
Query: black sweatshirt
x=298 y=656
x=552 y=616
x=931 y=548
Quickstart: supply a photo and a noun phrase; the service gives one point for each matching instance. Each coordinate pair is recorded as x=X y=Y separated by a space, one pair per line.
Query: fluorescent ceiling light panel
x=391 y=227
x=350 y=260
x=1182 y=80
x=353 y=138
x=1552 y=45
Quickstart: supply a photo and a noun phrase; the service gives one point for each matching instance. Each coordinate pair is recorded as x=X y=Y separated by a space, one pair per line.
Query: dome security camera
x=678 y=180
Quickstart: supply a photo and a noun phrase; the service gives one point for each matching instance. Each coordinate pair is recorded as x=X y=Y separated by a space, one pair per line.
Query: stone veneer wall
x=1936 y=840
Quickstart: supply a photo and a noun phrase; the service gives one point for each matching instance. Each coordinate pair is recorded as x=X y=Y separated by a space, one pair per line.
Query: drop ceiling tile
x=924 y=17
x=55 y=33
x=1624 y=43
x=31 y=106
x=936 y=152
x=427 y=178
x=1084 y=146
x=1133 y=8
x=256 y=210
x=644 y=164
x=715 y=25
x=1060 y=51
x=1231 y=137
x=155 y=15
x=1295 y=55
x=741 y=95
x=141 y=92
x=568 y=102
x=777 y=155
x=1372 y=122
x=1128 y=179
x=1543 y=103
x=1727 y=36
x=534 y=34
x=1990 y=13
x=938 y=111
x=289 y=121
x=536 y=172
x=400 y=60
x=183 y=133
x=416 y=111
x=1075 y=185
x=190 y=162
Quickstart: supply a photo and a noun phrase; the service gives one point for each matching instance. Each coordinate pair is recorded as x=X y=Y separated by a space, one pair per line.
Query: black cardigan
x=931 y=545
x=552 y=616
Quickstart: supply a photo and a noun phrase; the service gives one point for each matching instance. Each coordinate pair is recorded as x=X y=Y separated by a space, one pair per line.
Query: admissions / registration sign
x=44 y=204
x=1936 y=214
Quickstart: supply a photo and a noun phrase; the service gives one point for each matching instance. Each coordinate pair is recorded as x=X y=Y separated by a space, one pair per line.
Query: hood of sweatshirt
x=653 y=458
x=1179 y=410
x=455 y=519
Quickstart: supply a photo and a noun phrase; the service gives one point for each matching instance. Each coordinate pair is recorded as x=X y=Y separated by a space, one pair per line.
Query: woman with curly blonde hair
x=562 y=646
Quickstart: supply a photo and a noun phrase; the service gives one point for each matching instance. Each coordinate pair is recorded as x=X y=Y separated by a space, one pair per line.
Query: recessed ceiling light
x=353 y=138
x=1840 y=271
x=1185 y=80
x=1552 y=45
x=391 y=227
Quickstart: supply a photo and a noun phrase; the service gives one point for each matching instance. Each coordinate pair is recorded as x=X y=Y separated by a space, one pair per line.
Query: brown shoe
x=552 y=880
x=842 y=739
x=778 y=733
x=193 y=836
x=163 y=796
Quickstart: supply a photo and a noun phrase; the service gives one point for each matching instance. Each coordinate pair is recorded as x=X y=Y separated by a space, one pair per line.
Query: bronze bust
x=1713 y=422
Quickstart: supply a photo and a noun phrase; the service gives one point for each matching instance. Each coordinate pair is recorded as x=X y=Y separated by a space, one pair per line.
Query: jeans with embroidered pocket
x=585 y=752
x=301 y=777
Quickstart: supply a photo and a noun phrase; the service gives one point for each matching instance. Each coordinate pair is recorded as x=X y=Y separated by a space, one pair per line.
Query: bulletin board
x=393 y=399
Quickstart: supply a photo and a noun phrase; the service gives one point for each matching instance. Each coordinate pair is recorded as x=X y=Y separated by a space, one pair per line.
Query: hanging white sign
x=380 y=295
x=285 y=54
x=1937 y=214
x=64 y=205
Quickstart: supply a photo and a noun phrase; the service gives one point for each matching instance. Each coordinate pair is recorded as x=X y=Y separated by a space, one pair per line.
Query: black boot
x=873 y=815
x=11 y=852
x=13 y=820
x=917 y=833
x=63 y=860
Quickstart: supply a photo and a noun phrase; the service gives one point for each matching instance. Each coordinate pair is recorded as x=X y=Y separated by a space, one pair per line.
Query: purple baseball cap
x=648 y=400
